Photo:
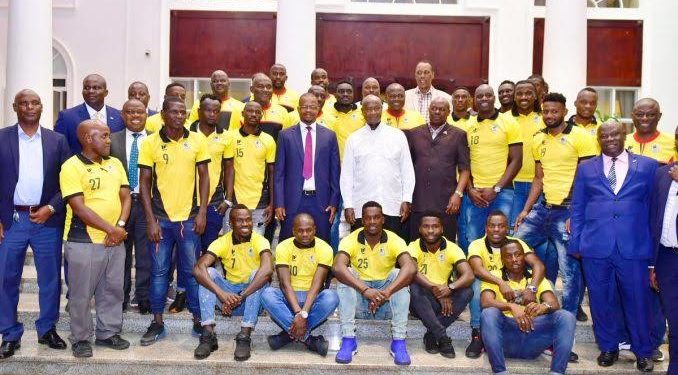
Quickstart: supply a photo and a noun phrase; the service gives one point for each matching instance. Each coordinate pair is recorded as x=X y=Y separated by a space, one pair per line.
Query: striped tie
x=612 y=175
x=134 y=162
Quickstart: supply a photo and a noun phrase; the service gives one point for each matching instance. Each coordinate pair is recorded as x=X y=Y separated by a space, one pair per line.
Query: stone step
x=174 y=355
x=182 y=323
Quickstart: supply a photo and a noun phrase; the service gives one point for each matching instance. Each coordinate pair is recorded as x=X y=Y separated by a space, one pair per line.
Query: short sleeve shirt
x=405 y=120
x=251 y=153
x=661 y=147
x=217 y=143
x=489 y=140
x=303 y=262
x=544 y=286
x=491 y=258
x=373 y=263
x=275 y=119
x=239 y=259
x=438 y=267
x=529 y=126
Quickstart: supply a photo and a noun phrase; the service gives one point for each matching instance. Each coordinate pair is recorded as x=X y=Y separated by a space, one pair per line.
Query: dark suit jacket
x=602 y=221
x=119 y=147
x=662 y=185
x=69 y=119
x=54 y=152
x=289 y=164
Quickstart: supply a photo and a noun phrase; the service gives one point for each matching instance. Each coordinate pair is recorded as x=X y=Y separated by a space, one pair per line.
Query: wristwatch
x=547 y=306
x=531 y=288
x=51 y=208
x=228 y=203
x=121 y=223
x=497 y=189
x=459 y=193
x=303 y=314
x=451 y=286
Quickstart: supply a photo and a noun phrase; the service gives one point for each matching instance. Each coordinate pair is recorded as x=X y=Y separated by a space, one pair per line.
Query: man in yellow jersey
x=395 y=114
x=174 y=89
x=221 y=85
x=647 y=140
x=557 y=151
x=586 y=104
x=139 y=91
x=250 y=168
x=319 y=77
x=274 y=116
x=522 y=328
x=484 y=257
x=218 y=141
x=248 y=265
x=282 y=95
x=540 y=84
x=437 y=297
x=168 y=161
x=373 y=282
x=505 y=95
x=419 y=98
x=300 y=304
x=461 y=105
x=349 y=117
x=97 y=192
x=325 y=117
x=496 y=151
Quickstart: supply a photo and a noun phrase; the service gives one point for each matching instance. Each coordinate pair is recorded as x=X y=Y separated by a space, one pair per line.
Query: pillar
x=295 y=41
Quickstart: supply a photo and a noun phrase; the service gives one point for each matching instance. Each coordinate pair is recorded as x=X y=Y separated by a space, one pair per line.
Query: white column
x=565 y=48
x=295 y=41
x=29 y=55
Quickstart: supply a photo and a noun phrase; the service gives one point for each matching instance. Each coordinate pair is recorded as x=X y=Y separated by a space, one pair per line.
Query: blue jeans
x=334 y=230
x=181 y=234
x=503 y=338
x=214 y=224
x=46 y=245
x=276 y=304
x=396 y=309
x=544 y=225
x=474 y=305
x=521 y=190
x=472 y=219
x=249 y=309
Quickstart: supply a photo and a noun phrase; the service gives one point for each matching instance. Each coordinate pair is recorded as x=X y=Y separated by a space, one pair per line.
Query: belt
x=24 y=208
x=135 y=196
x=674 y=249
x=555 y=206
x=307 y=192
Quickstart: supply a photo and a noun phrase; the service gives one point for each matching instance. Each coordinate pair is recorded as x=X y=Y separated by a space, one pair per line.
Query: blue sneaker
x=399 y=352
x=349 y=348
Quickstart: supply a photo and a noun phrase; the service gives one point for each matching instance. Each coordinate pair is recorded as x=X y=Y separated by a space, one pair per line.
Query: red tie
x=308 y=155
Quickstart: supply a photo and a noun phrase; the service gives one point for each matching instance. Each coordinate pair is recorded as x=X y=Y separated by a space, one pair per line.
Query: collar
x=166 y=139
x=23 y=134
x=430 y=91
x=488 y=245
x=129 y=133
x=361 y=237
x=92 y=111
x=281 y=92
x=244 y=133
x=422 y=244
x=493 y=117
x=300 y=246
x=396 y=114
x=457 y=118
x=86 y=161
x=527 y=275
x=594 y=121
x=267 y=106
x=567 y=130
x=379 y=127
x=303 y=126
x=622 y=158
x=236 y=241
x=652 y=138
x=353 y=107
x=194 y=127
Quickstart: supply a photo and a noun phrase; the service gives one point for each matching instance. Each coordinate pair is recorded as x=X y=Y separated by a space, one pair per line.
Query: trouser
x=215 y=222
x=449 y=225
x=427 y=308
x=547 y=225
x=95 y=271
x=395 y=309
x=666 y=266
x=391 y=223
x=136 y=250
x=502 y=338
x=274 y=301
x=249 y=309
x=618 y=284
x=309 y=205
x=187 y=242
x=46 y=245
x=472 y=219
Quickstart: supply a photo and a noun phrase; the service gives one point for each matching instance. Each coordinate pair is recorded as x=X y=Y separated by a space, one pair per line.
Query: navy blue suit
x=666 y=261
x=289 y=180
x=611 y=233
x=69 y=119
x=44 y=239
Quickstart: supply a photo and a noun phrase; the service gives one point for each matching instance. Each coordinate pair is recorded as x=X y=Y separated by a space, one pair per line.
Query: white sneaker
x=624 y=346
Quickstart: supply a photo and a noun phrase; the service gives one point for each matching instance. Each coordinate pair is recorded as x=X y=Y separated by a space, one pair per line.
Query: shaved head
x=646 y=101
x=25 y=92
x=303 y=218
x=88 y=128
x=370 y=99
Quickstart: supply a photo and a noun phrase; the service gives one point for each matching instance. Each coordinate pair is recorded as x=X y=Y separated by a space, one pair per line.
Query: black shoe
x=278 y=341
x=446 y=348
x=645 y=364
x=243 y=346
x=197 y=329
x=114 y=342
x=52 y=339
x=154 y=333
x=574 y=357
x=475 y=348
x=8 y=348
x=607 y=359
x=82 y=349
x=208 y=344
x=179 y=303
x=581 y=315
x=657 y=356
x=125 y=307
x=317 y=344
x=430 y=344
x=144 y=307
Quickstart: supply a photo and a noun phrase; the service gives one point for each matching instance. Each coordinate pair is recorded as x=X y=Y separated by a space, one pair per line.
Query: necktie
x=98 y=116
x=133 y=162
x=308 y=155
x=612 y=175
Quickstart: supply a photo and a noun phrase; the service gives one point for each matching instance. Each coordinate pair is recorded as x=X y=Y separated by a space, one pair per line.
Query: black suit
x=136 y=229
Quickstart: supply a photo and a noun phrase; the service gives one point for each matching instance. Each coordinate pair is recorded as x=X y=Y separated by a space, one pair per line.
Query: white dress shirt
x=129 y=139
x=377 y=166
x=100 y=115
x=28 y=190
x=310 y=183
x=621 y=167
x=668 y=238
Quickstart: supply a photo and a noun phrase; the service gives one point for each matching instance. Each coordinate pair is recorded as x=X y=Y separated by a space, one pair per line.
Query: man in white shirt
x=419 y=98
x=377 y=166
x=125 y=145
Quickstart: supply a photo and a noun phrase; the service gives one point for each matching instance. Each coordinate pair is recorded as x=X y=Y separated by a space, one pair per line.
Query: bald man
x=31 y=214
x=320 y=77
x=300 y=304
x=647 y=140
x=221 y=85
x=282 y=95
x=94 y=92
x=96 y=188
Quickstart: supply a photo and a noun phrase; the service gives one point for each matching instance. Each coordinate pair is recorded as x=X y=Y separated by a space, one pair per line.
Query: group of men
x=450 y=202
